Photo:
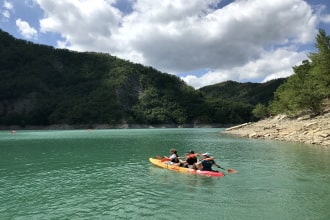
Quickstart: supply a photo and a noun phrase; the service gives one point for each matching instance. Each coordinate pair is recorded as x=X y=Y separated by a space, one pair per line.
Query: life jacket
x=207 y=164
x=175 y=160
x=191 y=159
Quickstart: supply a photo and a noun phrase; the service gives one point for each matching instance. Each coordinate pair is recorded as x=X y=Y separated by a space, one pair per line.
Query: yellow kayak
x=172 y=167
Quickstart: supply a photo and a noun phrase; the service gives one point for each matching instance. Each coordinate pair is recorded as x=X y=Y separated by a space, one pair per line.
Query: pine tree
x=321 y=63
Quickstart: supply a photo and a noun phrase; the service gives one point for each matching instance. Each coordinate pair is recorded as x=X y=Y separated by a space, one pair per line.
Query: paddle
x=163 y=159
x=229 y=170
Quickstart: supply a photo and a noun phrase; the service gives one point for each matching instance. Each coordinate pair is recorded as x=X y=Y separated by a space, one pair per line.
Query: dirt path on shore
x=304 y=129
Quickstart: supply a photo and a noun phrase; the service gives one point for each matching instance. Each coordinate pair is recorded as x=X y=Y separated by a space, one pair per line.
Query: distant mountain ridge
x=252 y=93
x=43 y=86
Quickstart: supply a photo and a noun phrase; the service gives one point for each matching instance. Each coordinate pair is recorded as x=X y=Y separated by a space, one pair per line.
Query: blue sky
x=202 y=41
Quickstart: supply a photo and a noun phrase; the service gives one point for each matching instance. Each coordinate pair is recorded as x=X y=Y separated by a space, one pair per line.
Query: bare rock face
x=304 y=129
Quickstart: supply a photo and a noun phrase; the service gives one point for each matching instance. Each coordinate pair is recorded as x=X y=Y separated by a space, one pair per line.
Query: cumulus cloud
x=25 y=29
x=243 y=40
x=8 y=5
x=6 y=14
x=7 y=9
x=326 y=19
x=270 y=65
x=85 y=25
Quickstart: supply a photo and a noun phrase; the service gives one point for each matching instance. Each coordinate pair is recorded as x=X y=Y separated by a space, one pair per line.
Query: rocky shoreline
x=315 y=130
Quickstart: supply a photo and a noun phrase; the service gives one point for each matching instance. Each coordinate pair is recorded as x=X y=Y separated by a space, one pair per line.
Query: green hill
x=249 y=93
x=233 y=102
x=41 y=85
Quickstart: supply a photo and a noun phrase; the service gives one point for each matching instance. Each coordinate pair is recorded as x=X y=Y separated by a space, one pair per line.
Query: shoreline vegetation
x=304 y=129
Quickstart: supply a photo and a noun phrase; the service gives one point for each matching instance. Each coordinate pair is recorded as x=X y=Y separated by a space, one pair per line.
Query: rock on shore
x=307 y=130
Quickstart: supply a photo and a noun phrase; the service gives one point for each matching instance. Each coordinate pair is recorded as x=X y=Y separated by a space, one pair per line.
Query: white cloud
x=240 y=41
x=26 y=30
x=271 y=65
x=8 y=8
x=8 y=5
x=6 y=14
x=326 y=18
x=187 y=39
x=85 y=25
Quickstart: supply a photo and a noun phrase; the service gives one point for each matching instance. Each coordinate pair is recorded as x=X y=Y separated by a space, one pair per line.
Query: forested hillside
x=249 y=93
x=41 y=85
x=239 y=98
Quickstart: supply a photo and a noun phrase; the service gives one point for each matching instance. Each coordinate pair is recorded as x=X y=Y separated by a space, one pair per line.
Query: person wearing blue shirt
x=208 y=162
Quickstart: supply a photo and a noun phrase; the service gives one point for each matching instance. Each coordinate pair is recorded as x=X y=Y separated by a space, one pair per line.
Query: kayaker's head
x=206 y=154
x=173 y=151
x=191 y=152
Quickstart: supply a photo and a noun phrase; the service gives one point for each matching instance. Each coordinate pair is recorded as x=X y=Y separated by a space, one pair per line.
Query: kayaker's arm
x=208 y=158
x=216 y=164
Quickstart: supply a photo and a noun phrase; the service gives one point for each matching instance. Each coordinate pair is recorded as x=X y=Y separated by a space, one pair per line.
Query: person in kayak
x=191 y=159
x=206 y=163
x=174 y=157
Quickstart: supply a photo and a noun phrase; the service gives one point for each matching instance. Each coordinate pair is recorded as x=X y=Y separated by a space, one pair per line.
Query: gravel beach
x=315 y=130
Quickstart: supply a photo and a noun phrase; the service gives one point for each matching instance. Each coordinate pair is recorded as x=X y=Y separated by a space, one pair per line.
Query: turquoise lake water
x=105 y=174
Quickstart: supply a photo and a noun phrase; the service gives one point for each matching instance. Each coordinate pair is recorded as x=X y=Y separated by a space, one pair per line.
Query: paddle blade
x=231 y=171
x=159 y=157
x=165 y=159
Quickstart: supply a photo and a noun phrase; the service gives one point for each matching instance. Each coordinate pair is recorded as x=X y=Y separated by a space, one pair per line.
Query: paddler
x=206 y=163
x=191 y=159
x=174 y=157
